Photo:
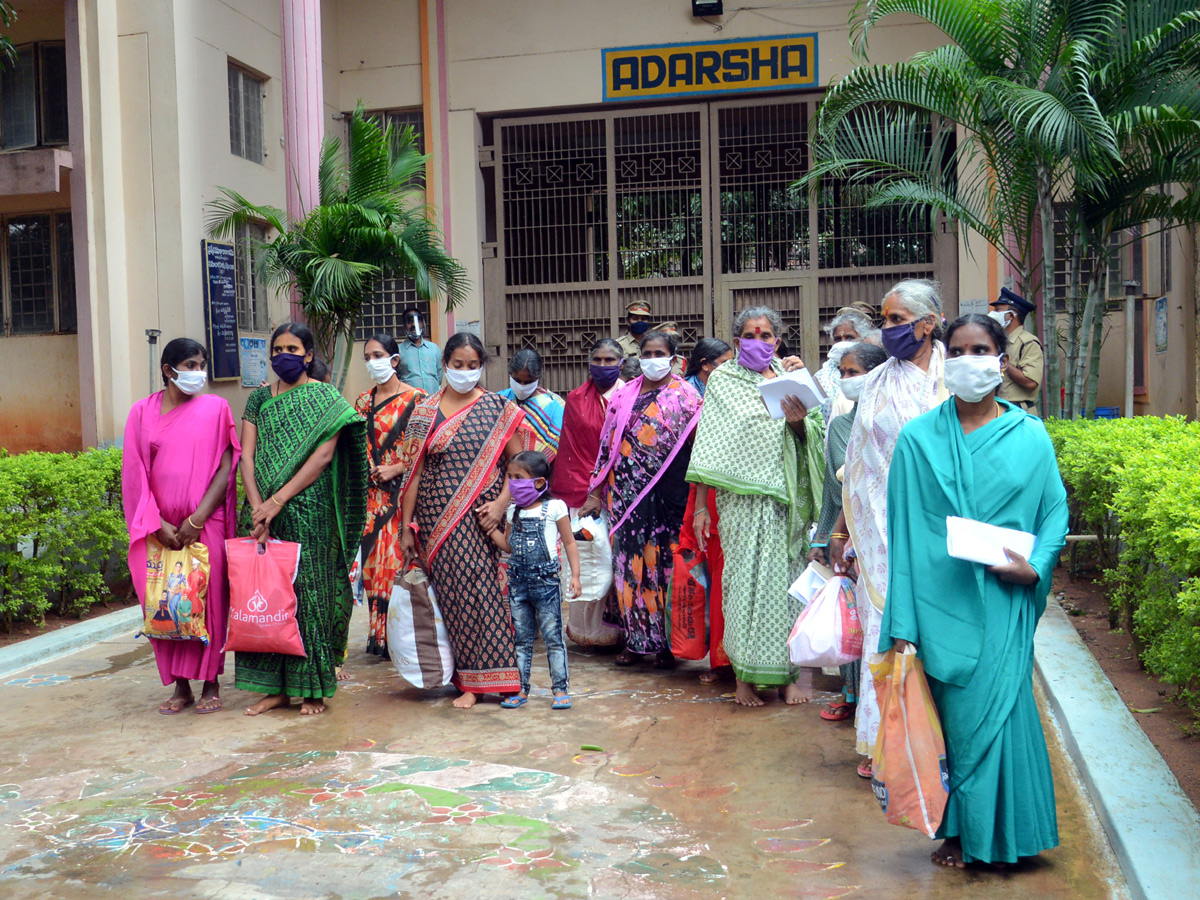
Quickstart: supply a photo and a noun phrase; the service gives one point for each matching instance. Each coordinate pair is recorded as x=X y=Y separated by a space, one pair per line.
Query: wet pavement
x=394 y=794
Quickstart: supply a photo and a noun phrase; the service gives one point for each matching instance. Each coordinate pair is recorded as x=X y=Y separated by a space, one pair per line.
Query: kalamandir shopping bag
x=176 y=592
x=262 y=597
x=908 y=769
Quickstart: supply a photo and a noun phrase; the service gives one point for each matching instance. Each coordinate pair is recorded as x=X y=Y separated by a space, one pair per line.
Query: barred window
x=39 y=261
x=252 y=312
x=245 y=114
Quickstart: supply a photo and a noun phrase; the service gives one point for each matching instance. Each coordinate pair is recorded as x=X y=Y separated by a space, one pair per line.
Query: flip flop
x=561 y=701
x=864 y=769
x=838 y=711
x=212 y=709
x=175 y=710
x=514 y=702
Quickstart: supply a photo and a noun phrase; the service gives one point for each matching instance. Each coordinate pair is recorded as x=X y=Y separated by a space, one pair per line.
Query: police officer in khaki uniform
x=637 y=315
x=1026 y=363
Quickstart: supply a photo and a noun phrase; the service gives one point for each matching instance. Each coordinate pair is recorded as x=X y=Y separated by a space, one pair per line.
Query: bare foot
x=466 y=701
x=800 y=691
x=312 y=706
x=746 y=695
x=948 y=854
x=342 y=674
x=720 y=673
x=271 y=701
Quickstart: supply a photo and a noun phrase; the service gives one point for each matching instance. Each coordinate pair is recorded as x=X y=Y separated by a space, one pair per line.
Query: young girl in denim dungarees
x=534 y=585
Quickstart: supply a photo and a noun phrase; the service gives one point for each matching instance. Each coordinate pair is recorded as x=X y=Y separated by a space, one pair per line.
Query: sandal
x=864 y=769
x=838 y=711
x=561 y=701
x=170 y=709
x=216 y=705
x=627 y=658
x=513 y=701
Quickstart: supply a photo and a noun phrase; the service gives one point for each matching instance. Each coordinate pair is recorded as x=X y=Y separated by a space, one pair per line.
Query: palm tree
x=370 y=222
x=989 y=129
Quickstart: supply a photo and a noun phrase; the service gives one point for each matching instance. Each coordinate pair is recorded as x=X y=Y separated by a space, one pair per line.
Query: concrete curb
x=1152 y=826
x=50 y=646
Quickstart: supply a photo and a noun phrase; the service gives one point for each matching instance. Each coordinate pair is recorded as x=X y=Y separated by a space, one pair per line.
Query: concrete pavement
x=393 y=793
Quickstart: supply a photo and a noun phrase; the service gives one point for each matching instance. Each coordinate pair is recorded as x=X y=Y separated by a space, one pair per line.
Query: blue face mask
x=900 y=342
x=639 y=328
x=288 y=366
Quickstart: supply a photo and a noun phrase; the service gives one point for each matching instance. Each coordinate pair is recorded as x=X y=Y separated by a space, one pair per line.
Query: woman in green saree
x=980 y=458
x=304 y=470
x=768 y=475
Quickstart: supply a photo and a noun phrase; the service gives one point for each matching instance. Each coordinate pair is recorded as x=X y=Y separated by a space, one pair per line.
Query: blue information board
x=220 y=311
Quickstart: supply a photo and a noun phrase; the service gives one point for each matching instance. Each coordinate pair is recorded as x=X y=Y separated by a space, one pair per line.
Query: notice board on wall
x=220 y=310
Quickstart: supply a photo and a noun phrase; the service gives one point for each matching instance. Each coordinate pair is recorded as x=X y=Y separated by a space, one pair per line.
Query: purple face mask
x=754 y=354
x=604 y=376
x=524 y=491
x=288 y=366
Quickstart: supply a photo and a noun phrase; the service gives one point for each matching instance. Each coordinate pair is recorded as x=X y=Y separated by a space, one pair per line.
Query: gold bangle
x=838 y=534
x=276 y=502
x=193 y=524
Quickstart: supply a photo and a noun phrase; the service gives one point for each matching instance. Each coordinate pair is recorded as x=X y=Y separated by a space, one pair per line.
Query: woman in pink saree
x=181 y=452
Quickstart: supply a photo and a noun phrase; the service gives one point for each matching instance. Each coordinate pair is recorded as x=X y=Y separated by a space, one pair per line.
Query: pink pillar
x=303 y=106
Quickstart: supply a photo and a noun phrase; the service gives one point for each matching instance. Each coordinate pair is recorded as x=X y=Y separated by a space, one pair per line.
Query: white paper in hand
x=798 y=384
x=983 y=543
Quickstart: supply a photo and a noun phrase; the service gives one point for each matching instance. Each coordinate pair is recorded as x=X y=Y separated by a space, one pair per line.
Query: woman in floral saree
x=305 y=476
x=455 y=493
x=644 y=450
x=387 y=408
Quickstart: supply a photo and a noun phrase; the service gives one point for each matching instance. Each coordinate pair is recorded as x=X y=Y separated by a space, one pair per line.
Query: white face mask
x=1001 y=316
x=189 y=382
x=852 y=387
x=523 y=391
x=381 y=370
x=838 y=350
x=463 y=380
x=656 y=369
x=972 y=377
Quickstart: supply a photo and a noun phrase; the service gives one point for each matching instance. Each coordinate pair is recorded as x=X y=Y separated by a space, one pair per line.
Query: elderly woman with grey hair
x=848 y=327
x=768 y=475
x=908 y=384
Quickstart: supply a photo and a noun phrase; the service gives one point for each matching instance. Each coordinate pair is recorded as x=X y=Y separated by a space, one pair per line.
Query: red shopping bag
x=908 y=770
x=262 y=598
x=687 y=606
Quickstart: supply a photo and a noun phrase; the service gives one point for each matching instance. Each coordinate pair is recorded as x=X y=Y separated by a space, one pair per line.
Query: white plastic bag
x=595 y=561
x=417 y=639
x=811 y=580
x=828 y=632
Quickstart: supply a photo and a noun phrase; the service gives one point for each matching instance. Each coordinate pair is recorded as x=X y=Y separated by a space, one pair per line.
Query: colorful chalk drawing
x=446 y=828
x=38 y=680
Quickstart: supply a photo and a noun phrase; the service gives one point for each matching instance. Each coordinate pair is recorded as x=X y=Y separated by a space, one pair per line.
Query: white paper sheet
x=983 y=543
x=799 y=384
x=811 y=580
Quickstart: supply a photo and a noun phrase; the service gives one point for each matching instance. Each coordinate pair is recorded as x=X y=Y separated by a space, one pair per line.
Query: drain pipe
x=1130 y=307
x=152 y=339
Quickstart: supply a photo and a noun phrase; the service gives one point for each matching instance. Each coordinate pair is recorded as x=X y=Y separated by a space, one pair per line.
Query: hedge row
x=62 y=533
x=1135 y=483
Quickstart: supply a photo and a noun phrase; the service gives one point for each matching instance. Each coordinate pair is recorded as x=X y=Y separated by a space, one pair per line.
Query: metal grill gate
x=688 y=207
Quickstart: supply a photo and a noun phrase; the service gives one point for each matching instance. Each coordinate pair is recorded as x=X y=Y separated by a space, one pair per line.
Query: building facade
x=582 y=155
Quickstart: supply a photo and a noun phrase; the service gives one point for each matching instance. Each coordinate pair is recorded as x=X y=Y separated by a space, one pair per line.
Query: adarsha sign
x=782 y=62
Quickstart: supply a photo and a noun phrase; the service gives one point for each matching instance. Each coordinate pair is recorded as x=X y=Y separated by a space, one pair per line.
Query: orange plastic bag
x=687 y=606
x=908 y=770
x=262 y=597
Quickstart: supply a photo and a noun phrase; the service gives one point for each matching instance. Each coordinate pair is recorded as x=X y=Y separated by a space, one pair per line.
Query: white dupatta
x=895 y=393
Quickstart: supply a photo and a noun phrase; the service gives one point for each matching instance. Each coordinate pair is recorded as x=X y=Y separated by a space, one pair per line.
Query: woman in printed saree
x=583 y=420
x=766 y=474
x=638 y=479
x=387 y=408
x=305 y=476
x=908 y=384
x=455 y=494
x=972 y=625
x=856 y=362
x=543 y=409
x=177 y=486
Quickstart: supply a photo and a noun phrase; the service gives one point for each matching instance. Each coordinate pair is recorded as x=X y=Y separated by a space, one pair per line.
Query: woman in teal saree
x=304 y=470
x=980 y=458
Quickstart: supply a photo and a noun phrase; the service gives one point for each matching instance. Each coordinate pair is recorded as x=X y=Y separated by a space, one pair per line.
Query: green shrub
x=62 y=531
x=1135 y=484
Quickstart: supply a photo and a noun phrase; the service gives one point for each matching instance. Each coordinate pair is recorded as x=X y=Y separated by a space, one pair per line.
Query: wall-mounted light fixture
x=708 y=7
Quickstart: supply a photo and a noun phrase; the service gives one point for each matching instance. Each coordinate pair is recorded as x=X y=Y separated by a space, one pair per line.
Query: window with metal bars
x=33 y=97
x=246 y=113
x=39 y=276
x=252 y=294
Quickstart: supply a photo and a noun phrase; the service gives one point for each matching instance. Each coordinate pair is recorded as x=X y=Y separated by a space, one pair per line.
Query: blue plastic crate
x=1108 y=412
